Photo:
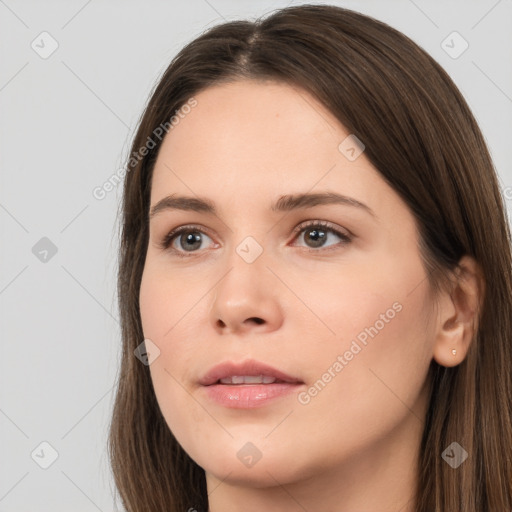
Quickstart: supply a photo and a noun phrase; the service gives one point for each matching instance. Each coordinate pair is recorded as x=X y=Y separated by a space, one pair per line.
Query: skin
x=354 y=446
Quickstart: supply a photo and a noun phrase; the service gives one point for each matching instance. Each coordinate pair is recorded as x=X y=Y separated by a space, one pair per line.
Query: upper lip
x=245 y=368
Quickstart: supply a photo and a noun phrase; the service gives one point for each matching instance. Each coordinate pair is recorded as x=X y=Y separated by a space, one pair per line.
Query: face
x=332 y=294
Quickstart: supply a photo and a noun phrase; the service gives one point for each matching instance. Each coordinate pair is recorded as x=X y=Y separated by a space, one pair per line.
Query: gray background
x=65 y=127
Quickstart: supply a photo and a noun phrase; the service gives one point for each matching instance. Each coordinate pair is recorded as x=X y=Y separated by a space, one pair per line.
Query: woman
x=315 y=261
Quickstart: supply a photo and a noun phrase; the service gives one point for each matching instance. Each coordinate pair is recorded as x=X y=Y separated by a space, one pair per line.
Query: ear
x=458 y=313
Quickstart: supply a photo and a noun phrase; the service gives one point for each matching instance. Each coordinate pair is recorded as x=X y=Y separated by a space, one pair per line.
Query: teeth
x=246 y=379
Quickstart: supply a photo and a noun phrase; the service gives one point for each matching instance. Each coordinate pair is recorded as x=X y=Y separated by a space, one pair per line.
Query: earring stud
x=454 y=352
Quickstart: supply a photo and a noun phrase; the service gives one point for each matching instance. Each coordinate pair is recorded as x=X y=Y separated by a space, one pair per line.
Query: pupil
x=317 y=236
x=192 y=238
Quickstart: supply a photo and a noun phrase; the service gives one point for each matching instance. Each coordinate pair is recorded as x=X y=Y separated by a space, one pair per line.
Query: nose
x=246 y=299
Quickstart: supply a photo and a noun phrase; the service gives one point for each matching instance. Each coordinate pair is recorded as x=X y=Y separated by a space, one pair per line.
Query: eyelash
x=326 y=226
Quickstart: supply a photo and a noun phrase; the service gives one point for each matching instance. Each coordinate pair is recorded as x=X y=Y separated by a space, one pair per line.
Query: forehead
x=249 y=129
x=248 y=143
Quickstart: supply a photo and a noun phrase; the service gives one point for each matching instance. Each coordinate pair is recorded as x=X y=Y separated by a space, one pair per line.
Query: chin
x=241 y=464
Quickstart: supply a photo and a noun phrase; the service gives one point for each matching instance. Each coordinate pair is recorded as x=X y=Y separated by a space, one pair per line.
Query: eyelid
x=165 y=243
x=343 y=233
x=325 y=224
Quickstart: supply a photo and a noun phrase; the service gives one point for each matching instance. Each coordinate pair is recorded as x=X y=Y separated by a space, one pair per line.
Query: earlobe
x=458 y=312
x=450 y=347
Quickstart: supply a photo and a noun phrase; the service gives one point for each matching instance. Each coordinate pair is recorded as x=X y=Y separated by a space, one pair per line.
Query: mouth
x=247 y=385
x=246 y=372
x=237 y=380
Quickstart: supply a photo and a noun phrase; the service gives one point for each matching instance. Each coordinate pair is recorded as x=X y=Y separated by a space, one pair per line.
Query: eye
x=316 y=234
x=190 y=238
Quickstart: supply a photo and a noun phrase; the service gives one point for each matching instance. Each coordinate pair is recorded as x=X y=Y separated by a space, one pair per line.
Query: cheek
x=166 y=299
x=152 y=303
x=164 y=321
x=163 y=311
x=371 y=371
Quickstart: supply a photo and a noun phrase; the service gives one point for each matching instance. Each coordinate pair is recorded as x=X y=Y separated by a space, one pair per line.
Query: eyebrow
x=284 y=203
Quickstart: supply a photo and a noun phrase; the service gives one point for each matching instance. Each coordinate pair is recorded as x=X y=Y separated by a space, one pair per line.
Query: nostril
x=257 y=320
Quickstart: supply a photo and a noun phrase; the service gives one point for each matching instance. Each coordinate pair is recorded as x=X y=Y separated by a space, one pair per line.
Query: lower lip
x=247 y=396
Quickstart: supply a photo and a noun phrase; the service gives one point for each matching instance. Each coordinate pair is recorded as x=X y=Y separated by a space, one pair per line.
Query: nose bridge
x=248 y=244
x=247 y=267
x=250 y=250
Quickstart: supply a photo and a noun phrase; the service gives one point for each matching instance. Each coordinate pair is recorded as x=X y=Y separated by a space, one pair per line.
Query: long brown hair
x=421 y=136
